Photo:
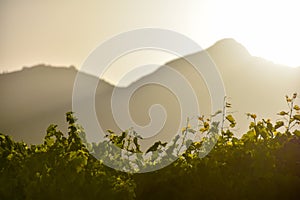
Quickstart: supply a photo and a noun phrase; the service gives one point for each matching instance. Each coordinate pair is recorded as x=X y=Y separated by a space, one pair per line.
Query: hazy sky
x=60 y=32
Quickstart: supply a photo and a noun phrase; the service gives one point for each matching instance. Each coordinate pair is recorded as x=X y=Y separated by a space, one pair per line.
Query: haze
x=65 y=32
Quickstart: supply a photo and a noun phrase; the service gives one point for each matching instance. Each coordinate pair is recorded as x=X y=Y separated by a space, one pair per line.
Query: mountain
x=35 y=97
x=254 y=84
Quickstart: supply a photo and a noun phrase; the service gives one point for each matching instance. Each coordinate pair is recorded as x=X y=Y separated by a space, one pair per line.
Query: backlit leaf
x=297 y=117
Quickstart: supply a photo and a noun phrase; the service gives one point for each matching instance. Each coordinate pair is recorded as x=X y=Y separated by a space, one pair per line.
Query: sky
x=65 y=32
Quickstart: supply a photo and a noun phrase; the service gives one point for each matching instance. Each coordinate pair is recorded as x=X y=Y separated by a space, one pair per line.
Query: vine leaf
x=155 y=146
x=231 y=120
x=282 y=113
x=278 y=124
x=297 y=117
x=297 y=132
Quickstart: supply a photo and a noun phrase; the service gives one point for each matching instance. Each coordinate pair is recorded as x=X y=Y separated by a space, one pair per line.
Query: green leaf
x=264 y=133
x=296 y=107
x=249 y=136
x=252 y=125
x=282 y=113
x=269 y=126
x=228 y=133
x=297 y=117
x=297 y=132
x=135 y=141
x=2 y=136
x=110 y=131
x=155 y=146
x=231 y=120
x=70 y=118
x=278 y=124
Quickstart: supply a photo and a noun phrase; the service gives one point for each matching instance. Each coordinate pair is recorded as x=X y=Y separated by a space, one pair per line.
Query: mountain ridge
x=30 y=103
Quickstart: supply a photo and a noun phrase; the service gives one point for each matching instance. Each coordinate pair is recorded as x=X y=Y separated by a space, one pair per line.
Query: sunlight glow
x=268 y=29
x=54 y=32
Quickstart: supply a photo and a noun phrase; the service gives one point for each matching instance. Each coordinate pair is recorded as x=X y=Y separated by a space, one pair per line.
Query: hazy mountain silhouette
x=35 y=97
x=252 y=84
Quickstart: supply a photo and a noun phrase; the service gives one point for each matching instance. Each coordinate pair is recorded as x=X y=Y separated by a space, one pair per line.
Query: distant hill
x=254 y=84
x=35 y=97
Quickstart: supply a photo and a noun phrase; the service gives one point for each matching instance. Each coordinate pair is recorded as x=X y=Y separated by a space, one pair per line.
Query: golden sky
x=65 y=32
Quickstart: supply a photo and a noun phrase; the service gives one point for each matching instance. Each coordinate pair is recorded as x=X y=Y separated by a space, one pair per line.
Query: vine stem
x=184 y=136
x=223 y=115
x=290 y=116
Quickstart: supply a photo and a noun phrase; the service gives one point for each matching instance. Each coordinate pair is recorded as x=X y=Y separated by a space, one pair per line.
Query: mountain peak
x=230 y=44
x=47 y=67
x=228 y=50
x=227 y=41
